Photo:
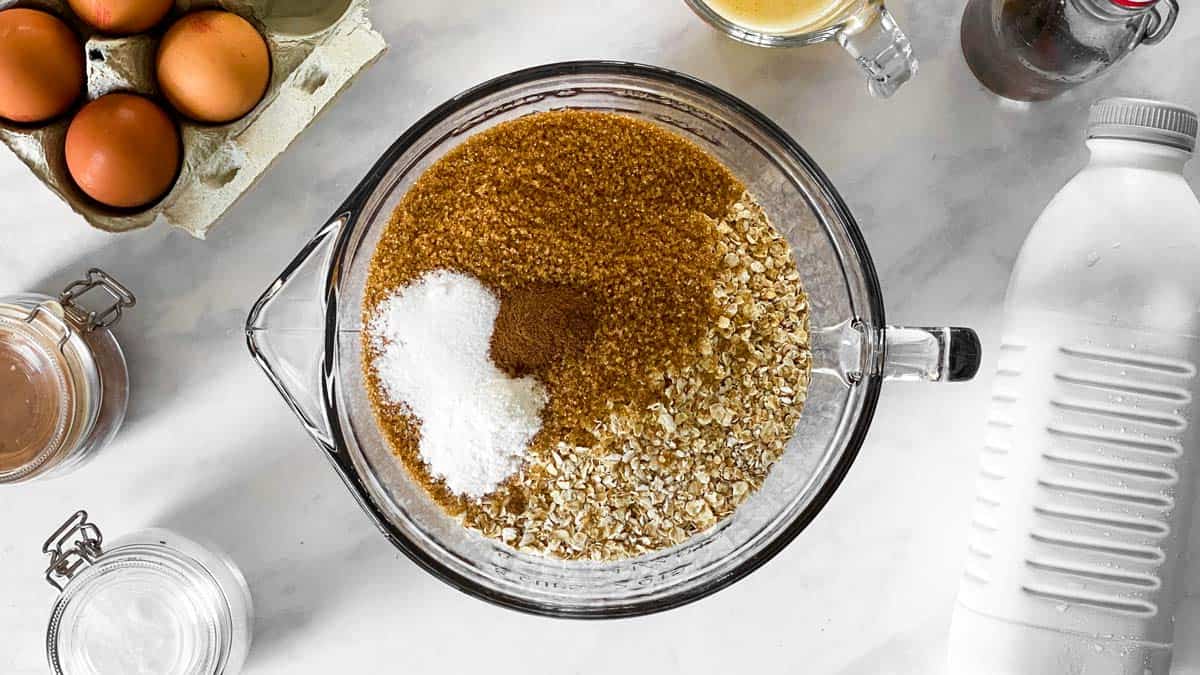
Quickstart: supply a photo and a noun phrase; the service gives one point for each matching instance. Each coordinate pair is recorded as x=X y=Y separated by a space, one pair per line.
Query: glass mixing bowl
x=304 y=332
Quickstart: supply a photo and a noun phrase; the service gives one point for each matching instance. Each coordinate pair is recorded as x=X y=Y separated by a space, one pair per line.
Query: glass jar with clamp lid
x=151 y=603
x=64 y=385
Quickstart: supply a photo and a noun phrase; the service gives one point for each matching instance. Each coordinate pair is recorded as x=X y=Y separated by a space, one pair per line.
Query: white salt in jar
x=151 y=603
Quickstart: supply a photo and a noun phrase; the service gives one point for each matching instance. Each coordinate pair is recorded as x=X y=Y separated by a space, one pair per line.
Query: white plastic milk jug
x=1087 y=474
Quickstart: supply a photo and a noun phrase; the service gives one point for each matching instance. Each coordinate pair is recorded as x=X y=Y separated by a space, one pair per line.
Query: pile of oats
x=652 y=478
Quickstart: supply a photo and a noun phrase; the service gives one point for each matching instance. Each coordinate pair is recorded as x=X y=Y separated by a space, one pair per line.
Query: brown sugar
x=596 y=201
x=613 y=225
x=539 y=325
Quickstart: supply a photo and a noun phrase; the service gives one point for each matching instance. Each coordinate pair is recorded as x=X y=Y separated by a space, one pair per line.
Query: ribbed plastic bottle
x=1088 y=468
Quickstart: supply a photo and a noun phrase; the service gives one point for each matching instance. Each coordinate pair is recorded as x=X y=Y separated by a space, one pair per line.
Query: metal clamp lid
x=88 y=320
x=73 y=546
x=1160 y=23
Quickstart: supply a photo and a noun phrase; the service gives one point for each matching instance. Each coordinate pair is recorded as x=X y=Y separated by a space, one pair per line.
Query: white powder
x=432 y=339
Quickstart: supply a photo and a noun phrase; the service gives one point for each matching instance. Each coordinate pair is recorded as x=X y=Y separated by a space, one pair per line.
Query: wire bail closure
x=75 y=545
x=88 y=320
x=80 y=317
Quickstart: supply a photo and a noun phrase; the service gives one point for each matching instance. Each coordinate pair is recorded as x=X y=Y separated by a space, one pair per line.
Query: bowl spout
x=286 y=334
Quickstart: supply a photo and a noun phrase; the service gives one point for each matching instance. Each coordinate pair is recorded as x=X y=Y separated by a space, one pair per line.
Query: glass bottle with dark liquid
x=1032 y=50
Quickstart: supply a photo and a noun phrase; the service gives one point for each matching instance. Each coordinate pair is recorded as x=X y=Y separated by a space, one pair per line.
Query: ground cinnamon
x=538 y=325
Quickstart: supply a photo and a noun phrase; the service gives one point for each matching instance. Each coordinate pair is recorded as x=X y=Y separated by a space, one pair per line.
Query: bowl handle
x=931 y=354
x=286 y=334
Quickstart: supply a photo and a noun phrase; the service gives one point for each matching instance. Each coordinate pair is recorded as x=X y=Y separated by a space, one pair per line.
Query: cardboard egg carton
x=317 y=48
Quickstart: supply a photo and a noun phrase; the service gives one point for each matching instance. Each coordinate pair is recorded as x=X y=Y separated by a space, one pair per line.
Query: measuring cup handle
x=931 y=354
x=881 y=49
x=285 y=330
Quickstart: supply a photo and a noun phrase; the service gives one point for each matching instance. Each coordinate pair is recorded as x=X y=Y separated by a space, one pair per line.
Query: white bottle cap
x=1142 y=119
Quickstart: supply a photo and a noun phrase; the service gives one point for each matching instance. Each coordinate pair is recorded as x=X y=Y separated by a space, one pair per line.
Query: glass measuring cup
x=304 y=332
x=152 y=602
x=864 y=28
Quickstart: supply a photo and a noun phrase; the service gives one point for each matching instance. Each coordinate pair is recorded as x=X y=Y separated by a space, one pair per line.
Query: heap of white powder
x=431 y=339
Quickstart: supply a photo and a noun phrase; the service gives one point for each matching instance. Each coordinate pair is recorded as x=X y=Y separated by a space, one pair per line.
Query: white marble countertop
x=945 y=180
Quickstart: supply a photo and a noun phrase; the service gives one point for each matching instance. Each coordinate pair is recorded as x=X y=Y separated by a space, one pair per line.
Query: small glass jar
x=152 y=603
x=64 y=385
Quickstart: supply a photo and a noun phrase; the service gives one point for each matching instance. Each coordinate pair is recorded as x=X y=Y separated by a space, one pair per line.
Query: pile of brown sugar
x=612 y=221
x=615 y=207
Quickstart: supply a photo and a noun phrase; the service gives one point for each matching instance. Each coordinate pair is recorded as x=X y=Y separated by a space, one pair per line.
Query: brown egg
x=122 y=17
x=123 y=150
x=213 y=66
x=41 y=66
